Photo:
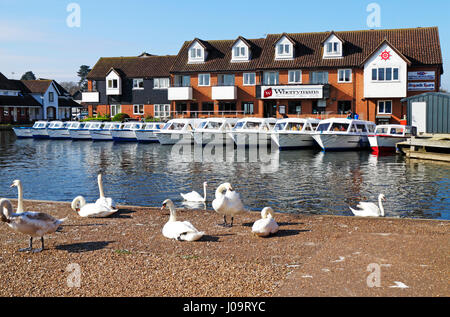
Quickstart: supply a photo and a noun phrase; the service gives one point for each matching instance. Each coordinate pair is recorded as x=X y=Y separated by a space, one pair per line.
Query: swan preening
x=266 y=225
x=179 y=230
x=370 y=209
x=34 y=224
x=103 y=207
x=194 y=196
x=228 y=204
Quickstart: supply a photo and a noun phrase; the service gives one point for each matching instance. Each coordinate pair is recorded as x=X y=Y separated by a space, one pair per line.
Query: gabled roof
x=385 y=41
x=330 y=34
x=240 y=38
x=133 y=67
x=202 y=43
x=37 y=86
x=290 y=39
x=7 y=84
x=115 y=70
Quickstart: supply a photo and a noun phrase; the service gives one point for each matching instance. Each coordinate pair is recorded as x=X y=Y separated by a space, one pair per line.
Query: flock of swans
x=227 y=203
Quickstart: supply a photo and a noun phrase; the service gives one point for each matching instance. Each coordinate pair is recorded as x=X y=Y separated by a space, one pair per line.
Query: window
x=344 y=106
x=182 y=81
x=227 y=107
x=138 y=83
x=332 y=47
x=239 y=51
x=284 y=49
x=248 y=107
x=162 y=111
x=208 y=107
x=51 y=97
x=196 y=53
x=112 y=83
x=115 y=109
x=294 y=107
x=318 y=77
x=385 y=74
x=138 y=109
x=249 y=79
x=295 y=76
x=385 y=107
x=203 y=79
x=344 y=76
x=161 y=83
x=271 y=78
x=225 y=80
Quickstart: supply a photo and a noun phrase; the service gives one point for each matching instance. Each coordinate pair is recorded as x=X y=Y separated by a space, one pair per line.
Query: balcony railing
x=90 y=96
x=180 y=93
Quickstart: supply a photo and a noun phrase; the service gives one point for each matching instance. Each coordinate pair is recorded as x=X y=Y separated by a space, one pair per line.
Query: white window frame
x=111 y=83
x=164 y=113
x=248 y=76
x=161 y=83
x=202 y=82
x=136 y=82
x=384 y=106
x=139 y=112
x=377 y=80
x=51 y=96
x=345 y=81
x=294 y=71
x=267 y=76
x=117 y=109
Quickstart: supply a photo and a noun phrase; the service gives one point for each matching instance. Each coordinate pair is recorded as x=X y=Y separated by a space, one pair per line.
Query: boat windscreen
x=253 y=125
x=213 y=125
x=294 y=126
x=323 y=127
x=280 y=126
x=397 y=131
x=239 y=125
x=339 y=127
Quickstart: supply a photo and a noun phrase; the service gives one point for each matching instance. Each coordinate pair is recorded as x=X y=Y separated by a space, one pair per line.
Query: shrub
x=98 y=118
x=120 y=117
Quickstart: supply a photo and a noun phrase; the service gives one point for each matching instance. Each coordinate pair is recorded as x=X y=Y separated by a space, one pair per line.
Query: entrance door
x=419 y=116
x=270 y=109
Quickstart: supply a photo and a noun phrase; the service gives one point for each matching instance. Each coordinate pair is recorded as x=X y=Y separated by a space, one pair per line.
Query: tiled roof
x=219 y=57
x=37 y=86
x=7 y=84
x=133 y=67
x=21 y=100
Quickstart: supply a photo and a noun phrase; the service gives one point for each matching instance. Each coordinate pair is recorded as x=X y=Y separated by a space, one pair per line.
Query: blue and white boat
x=127 y=132
x=294 y=133
x=23 y=132
x=58 y=130
x=148 y=133
x=39 y=130
x=104 y=133
x=78 y=131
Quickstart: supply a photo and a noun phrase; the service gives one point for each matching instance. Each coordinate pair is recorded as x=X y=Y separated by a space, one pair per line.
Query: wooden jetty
x=427 y=147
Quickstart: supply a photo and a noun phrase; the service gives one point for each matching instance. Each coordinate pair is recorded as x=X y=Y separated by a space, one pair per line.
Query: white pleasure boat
x=343 y=134
x=291 y=133
x=126 y=133
x=80 y=130
x=104 y=133
x=58 y=130
x=252 y=131
x=387 y=136
x=39 y=130
x=23 y=132
x=149 y=132
x=178 y=131
x=215 y=131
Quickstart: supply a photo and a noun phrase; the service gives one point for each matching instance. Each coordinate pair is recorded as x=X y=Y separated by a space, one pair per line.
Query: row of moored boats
x=289 y=133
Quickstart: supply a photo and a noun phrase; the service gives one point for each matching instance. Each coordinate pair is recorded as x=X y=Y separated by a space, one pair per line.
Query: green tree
x=28 y=76
x=82 y=73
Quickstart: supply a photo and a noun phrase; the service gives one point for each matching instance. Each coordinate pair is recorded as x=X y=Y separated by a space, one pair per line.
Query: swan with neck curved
x=228 y=204
x=179 y=230
x=266 y=225
x=107 y=201
x=194 y=196
x=34 y=224
x=370 y=209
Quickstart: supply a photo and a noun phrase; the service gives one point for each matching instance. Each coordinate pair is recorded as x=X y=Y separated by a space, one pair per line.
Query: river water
x=301 y=181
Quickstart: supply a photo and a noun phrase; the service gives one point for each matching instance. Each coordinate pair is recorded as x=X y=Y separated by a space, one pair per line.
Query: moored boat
x=126 y=133
x=252 y=131
x=292 y=133
x=58 y=130
x=386 y=137
x=78 y=131
x=178 y=131
x=336 y=134
x=39 y=130
x=104 y=133
x=149 y=132
x=214 y=131
x=23 y=132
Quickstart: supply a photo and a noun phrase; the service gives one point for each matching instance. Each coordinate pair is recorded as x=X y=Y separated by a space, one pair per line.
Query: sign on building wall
x=292 y=92
x=421 y=86
x=421 y=75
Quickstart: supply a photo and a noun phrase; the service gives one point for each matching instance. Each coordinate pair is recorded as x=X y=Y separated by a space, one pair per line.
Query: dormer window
x=240 y=50
x=332 y=47
x=284 y=48
x=197 y=52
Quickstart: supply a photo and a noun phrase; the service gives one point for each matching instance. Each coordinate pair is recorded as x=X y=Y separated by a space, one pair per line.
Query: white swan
x=179 y=230
x=91 y=210
x=34 y=224
x=194 y=196
x=107 y=201
x=228 y=204
x=266 y=225
x=18 y=184
x=370 y=209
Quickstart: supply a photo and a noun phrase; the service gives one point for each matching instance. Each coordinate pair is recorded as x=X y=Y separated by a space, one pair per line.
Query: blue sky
x=34 y=35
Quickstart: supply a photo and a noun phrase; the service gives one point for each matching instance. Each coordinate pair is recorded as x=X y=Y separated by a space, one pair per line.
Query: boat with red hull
x=386 y=137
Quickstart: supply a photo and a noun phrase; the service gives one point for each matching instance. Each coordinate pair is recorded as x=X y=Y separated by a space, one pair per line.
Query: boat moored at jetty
x=80 y=130
x=178 y=131
x=39 y=130
x=149 y=132
x=126 y=133
x=215 y=131
x=386 y=137
x=104 y=133
x=23 y=132
x=292 y=133
x=252 y=131
x=58 y=130
x=343 y=134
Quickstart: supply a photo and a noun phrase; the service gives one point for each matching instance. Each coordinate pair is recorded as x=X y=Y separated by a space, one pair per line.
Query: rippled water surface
x=304 y=181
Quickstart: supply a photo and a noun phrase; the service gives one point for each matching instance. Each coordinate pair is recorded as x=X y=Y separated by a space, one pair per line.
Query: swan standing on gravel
x=106 y=201
x=370 y=209
x=228 y=204
x=34 y=224
x=266 y=225
x=194 y=196
x=179 y=230
x=18 y=184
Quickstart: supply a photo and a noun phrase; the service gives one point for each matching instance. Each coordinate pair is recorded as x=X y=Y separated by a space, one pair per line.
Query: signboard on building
x=292 y=92
x=421 y=75
x=421 y=86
